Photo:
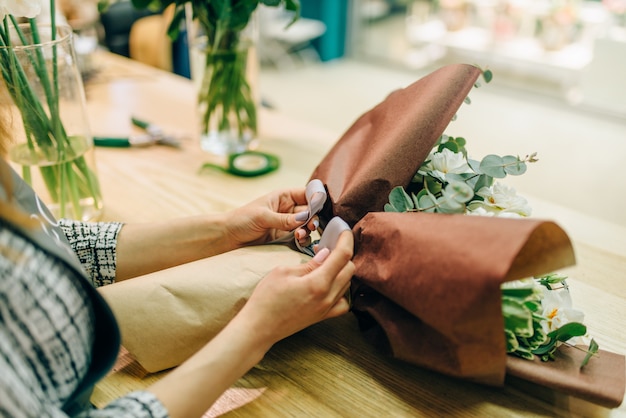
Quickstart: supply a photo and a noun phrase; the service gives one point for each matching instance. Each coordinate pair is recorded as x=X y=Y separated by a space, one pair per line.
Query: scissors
x=153 y=135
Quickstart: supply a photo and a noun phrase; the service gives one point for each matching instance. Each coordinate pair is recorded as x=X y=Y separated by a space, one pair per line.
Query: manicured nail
x=321 y=255
x=316 y=224
x=302 y=216
x=300 y=234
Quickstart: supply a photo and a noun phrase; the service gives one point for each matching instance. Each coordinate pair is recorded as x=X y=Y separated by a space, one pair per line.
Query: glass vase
x=44 y=95
x=226 y=78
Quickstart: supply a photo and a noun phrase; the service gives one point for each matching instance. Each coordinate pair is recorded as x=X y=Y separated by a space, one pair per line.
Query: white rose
x=503 y=200
x=447 y=161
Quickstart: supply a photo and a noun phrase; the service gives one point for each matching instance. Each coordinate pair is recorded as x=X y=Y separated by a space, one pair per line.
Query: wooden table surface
x=327 y=370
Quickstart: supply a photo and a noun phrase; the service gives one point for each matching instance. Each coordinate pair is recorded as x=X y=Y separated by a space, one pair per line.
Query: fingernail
x=302 y=216
x=321 y=255
x=300 y=234
x=316 y=223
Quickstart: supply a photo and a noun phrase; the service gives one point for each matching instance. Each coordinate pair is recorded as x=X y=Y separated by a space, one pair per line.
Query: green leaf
x=400 y=200
x=517 y=318
x=451 y=145
x=467 y=100
x=493 y=165
x=483 y=181
x=517 y=292
x=474 y=165
x=427 y=203
x=564 y=333
x=513 y=165
x=568 y=331
x=511 y=341
x=593 y=349
x=488 y=76
x=433 y=185
x=459 y=192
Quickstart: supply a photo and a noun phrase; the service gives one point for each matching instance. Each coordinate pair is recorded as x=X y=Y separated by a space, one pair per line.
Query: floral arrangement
x=537 y=312
x=226 y=101
x=36 y=70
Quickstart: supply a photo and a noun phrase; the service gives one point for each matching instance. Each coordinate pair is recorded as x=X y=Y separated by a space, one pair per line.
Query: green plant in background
x=30 y=61
x=225 y=92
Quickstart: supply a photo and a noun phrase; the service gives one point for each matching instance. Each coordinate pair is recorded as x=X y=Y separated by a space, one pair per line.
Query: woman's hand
x=285 y=301
x=269 y=217
x=290 y=299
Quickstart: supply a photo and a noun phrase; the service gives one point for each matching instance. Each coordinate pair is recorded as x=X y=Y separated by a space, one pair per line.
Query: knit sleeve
x=95 y=245
x=139 y=404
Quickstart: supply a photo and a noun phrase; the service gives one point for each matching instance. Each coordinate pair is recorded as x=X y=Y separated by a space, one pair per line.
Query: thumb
x=287 y=221
x=316 y=261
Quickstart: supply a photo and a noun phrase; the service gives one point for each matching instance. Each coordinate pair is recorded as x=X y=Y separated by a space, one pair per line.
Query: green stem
x=68 y=179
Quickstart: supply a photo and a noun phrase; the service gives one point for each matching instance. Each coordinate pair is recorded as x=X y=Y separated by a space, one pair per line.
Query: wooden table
x=327 y=370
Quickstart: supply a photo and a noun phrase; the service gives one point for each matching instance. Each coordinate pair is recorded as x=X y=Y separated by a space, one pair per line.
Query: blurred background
x=573 y=51
x=559 y=85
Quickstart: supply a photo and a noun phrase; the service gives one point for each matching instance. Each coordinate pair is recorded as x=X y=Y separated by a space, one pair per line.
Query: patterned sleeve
x=139 y=404
x=95 y=245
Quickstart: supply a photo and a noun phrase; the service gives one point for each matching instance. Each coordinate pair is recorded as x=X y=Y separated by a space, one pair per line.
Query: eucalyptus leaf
x=433 y=184
x=483 y=181
x=400 y=200
x=493 y=165
x=488 y=76
x=458 y=192
x=427 y=203
x=474 y=165
x=513 y=165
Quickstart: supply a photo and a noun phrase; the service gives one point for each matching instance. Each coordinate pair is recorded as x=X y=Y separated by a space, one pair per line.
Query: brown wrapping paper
x=427 y=290
x=445 y=271
x=601 y=381
x=167 y=316
x=385 y=147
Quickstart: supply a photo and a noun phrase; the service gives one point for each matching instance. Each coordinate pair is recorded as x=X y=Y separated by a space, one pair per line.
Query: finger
x=341 y=307
x=298 y=195
x=334 y=262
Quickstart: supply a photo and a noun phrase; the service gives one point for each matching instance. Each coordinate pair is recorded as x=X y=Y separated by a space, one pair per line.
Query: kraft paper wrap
x=385 y=146
x=165 y=317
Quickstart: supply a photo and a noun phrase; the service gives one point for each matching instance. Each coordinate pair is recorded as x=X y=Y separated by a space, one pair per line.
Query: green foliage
x=448 y=189
x=524 y=324
x=452 y=192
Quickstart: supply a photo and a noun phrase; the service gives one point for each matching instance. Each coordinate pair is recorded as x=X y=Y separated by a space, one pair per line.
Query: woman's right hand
x=291 y=298
x=286 y=301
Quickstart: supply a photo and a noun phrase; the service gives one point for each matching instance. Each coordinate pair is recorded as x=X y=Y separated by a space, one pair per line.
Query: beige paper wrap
x=165 y=317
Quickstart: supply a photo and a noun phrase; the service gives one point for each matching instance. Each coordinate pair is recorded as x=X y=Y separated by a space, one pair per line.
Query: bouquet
x=462 y=295
x=537 y=311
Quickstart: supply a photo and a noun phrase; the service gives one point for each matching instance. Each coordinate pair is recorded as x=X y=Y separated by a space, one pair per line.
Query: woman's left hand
x=270 y=217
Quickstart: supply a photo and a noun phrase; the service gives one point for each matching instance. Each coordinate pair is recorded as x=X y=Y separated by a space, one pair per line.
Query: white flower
x=557 y=308
x=447 y=161
x=20 y=8
x=502 y=200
